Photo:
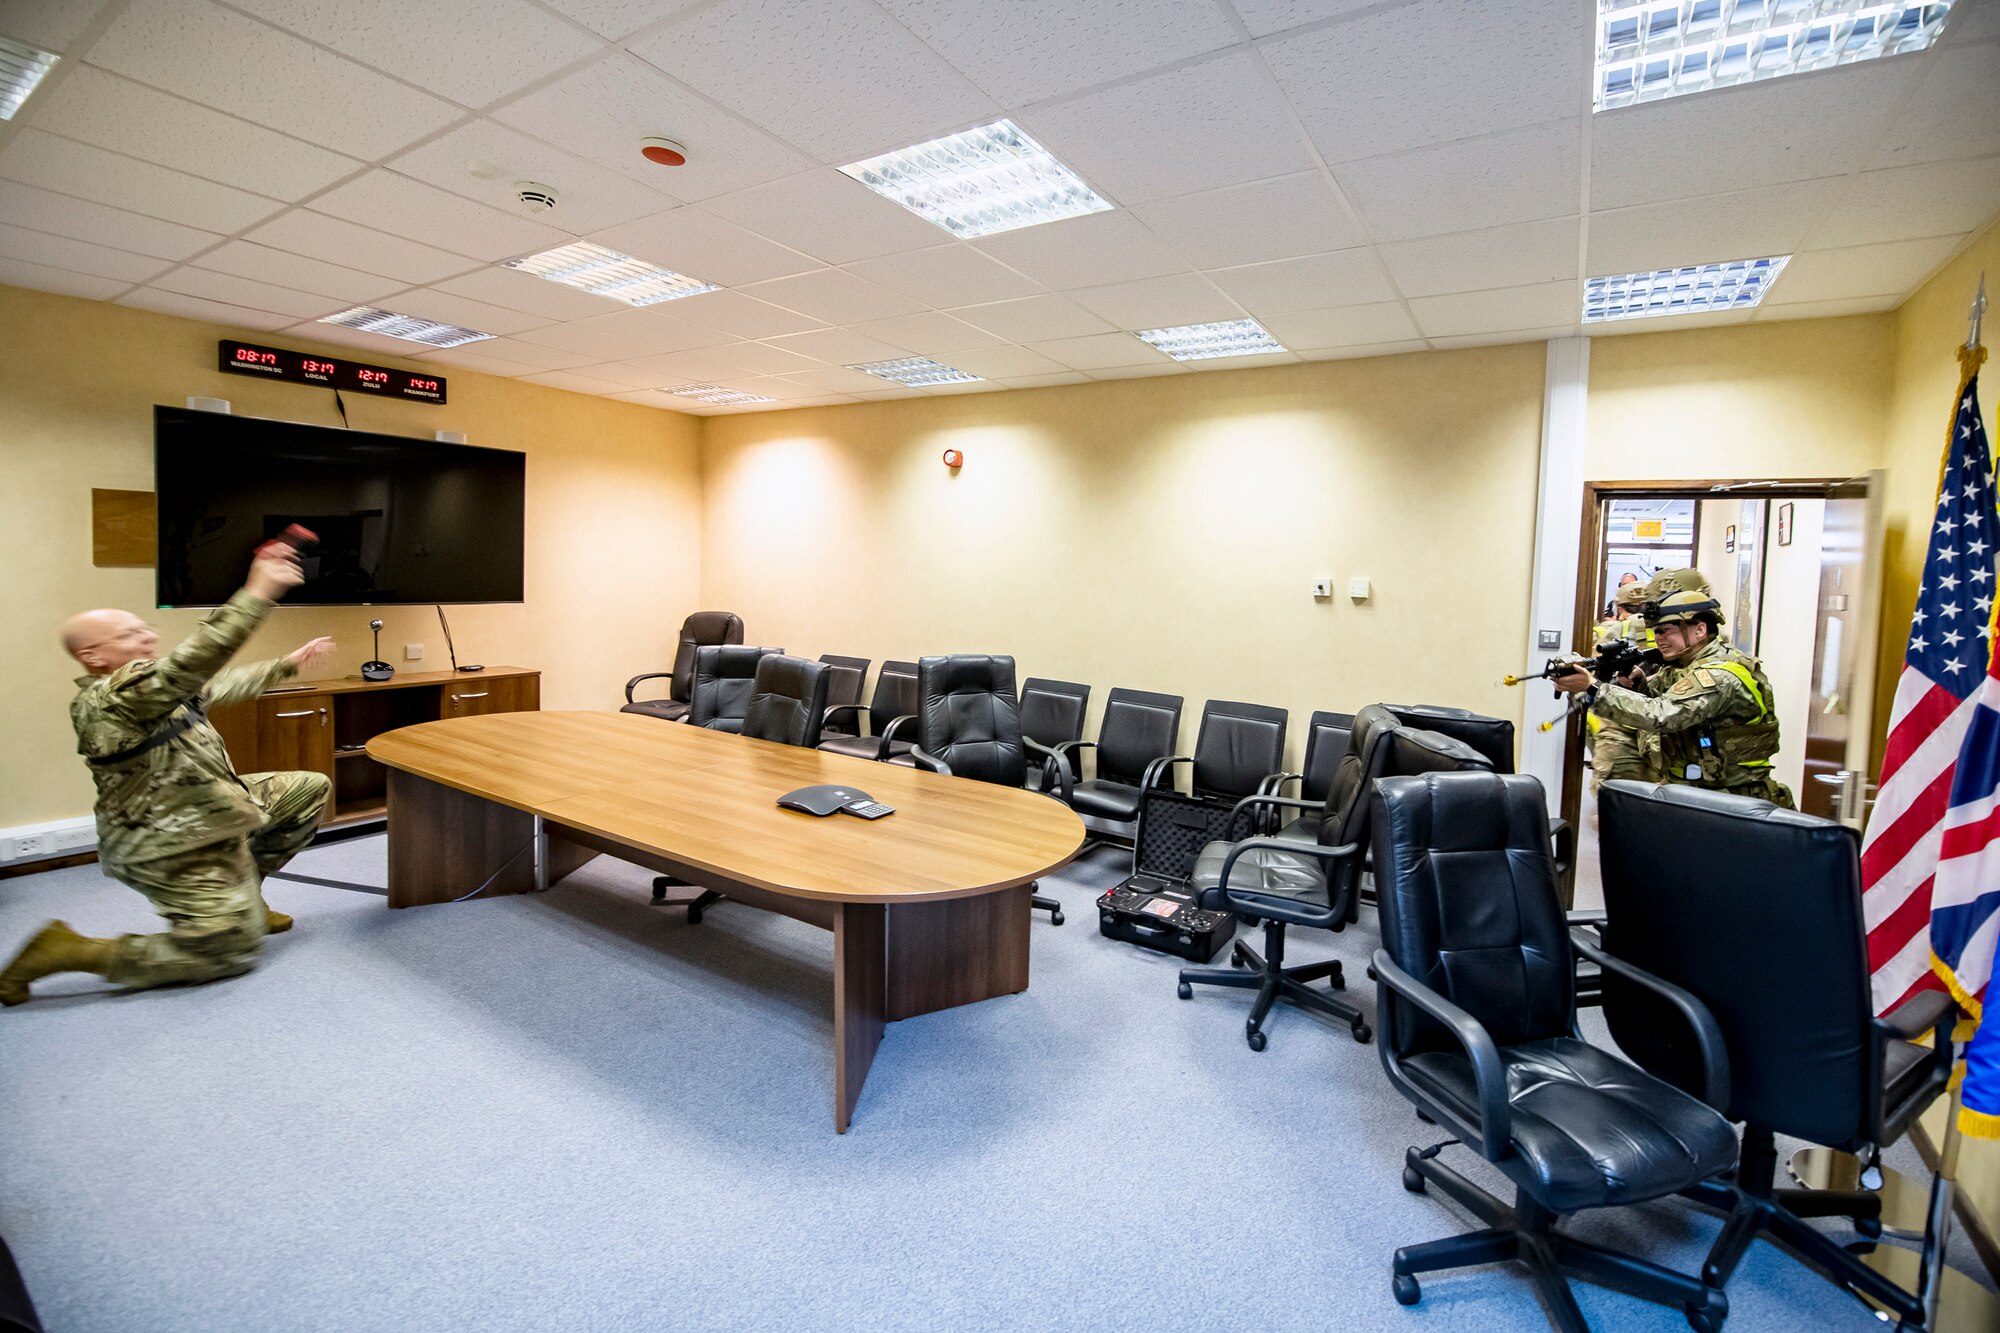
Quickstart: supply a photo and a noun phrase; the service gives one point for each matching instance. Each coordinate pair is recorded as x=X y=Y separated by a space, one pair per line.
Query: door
x=1839 y=722
x=293 y=731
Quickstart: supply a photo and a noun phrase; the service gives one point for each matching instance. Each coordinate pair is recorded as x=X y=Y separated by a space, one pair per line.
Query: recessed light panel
x=407 y=327
x=991 y=179
x=719 y=396
x=21 y=68
x=1681 y=291
x=602 y=272
x=1200 y=342
x=1650 y=49
x=917 y=372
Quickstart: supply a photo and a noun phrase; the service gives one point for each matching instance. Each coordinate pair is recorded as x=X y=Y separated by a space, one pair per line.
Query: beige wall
x=1161 y=534
x=613 y=557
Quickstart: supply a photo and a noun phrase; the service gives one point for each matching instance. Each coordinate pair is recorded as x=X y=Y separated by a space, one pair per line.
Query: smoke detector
x=665 y=152
x=535 y=196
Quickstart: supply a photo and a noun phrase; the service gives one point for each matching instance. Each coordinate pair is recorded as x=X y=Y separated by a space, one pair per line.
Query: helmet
x=1632 y=596
x=1676 y=580
x=1679 y=607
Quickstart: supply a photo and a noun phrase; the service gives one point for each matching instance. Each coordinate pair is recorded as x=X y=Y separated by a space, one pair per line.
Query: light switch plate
x=413 y=652
x=1549 y=640
x=1357 y=588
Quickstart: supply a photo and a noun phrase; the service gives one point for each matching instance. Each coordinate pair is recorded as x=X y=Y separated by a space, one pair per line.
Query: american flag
x=1937 y=699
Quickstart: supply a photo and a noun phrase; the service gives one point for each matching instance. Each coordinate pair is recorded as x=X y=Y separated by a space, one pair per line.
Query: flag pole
x=1978 y=309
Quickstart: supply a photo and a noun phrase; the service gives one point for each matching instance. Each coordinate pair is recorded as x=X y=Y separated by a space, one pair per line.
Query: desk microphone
x=377 y=669
x=449 y=649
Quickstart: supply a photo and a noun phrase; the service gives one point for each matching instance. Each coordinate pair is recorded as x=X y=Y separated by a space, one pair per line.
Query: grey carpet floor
x=574 y=1111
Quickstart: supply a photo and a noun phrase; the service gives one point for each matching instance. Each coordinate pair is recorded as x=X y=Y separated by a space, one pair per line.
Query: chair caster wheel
x=1371 y=973
x=1406 y=1289
x=1870 y=1227
x=1258 y=1041
x=694 y=916
x=1336 y=982
x=1413 y=1180
x=1706 y=1318
x=1055 y=918
x=660 y=886
x=1185 y=991
x=1236 y=959
x=1362 y=1032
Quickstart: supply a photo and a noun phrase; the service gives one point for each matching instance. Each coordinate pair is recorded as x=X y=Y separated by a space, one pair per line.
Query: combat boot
x=275 y=922
x=55 y=948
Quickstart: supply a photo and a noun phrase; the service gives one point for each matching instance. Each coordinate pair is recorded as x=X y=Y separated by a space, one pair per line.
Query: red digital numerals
x=252 y=357
x=368 y=376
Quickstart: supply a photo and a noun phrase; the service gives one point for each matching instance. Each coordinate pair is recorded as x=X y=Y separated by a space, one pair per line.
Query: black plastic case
x=1154 y=909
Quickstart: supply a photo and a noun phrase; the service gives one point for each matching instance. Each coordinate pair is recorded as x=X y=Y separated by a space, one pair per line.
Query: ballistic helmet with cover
x=1679 y=607
x=1676 y=580
x=1632 y=596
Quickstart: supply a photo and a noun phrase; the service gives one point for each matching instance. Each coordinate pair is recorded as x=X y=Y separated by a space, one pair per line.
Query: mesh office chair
x=725 y=678
x=969 y=726
x=1768 y=933
x=894 y=701
x=1476 y=997
x=1052 y=715
x=1135 y=738
x=845 y=680
x=700 y=630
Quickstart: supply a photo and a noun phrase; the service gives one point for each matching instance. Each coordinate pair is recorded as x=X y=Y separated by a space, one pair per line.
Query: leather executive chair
x=1328 y=737
x=725 y=678
x=1239 y=750
x=1052 y=715
x=1135 y=738
x=1494 y=738
x=1756 y=911
x=894 y=702
x=843 y=692
x=969 y=726
x=1476 y=998
x=700 y=630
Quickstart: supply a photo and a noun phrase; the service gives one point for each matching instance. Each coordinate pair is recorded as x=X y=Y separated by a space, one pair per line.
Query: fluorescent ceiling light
x=994 y=178
x=407 y=327
x=1737 y=285
x=1199 y=342
x=716 y=394
x=21 y=68
x=605 y=272
x=1650 y=49
x=917 y=371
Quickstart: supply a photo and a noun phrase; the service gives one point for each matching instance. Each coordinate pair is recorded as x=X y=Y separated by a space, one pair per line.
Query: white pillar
x=1558 y=520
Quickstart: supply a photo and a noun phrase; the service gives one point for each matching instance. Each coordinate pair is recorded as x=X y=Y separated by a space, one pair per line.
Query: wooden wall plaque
x=123 y=528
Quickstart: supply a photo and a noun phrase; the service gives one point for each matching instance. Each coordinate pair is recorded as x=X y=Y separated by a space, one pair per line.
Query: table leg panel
x=959 y=951
x=444 y=843
x=858 y=995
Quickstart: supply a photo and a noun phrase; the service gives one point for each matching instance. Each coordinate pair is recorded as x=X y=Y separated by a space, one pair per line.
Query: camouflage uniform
x=1620 y=751
x=1714 y=718
x=175 y=822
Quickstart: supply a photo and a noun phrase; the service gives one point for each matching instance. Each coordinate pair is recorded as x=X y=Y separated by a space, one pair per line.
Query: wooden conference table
x=928 y=907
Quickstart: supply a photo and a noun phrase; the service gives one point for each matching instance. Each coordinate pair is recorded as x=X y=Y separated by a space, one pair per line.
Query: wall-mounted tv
x=400 y=521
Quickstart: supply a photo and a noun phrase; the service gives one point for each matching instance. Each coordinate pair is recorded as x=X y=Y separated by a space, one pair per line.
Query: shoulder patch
x=1691 y=683
x=1707 y=677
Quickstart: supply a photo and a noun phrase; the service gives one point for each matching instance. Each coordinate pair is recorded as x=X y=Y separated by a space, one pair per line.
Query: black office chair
x=725 y=678
x=894 y=701
x=1239 y=750
x=17 y=1311
x=1052 y=715
x=1477 y=1004
x=1135 y=738
x=1757 y=912
x=1494 y=738
x=847 y=677
x=969 y=726
x=1327 y=739
x=788 y=700
x=700 y=630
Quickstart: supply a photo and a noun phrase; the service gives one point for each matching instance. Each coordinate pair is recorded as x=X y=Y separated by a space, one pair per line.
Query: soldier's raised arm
x=1697 y=698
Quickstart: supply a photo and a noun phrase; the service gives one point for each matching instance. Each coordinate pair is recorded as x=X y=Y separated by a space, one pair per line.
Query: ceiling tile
x=1359 y=350
x=1972 y=21
x=842 y=347
x=111 y=112
x=1045 y=381
x=229 y=289
x=1518 y=176
x=837 y=78
x=1892 y=269
x=486 y=162
x=833 y=380
x=472 y=357
x=1151 y=303
x=502 y=286
x=1248 y=224
x=929 y=333
x=1264 y=17
x=625 y=335
x=284 y=269
x=1084 y=252
x=1706 y=319
x=834 y=295
x=603 y=110
x=950 y=390
x=654 y=398
x=1165 y=367
x=629 y=373
x=50 y=24
x=374 y=343
x=995 y=363
x=88 y=172
x=322 y=237
x=1527 y=252
x=1745 y=224
x=1501 y=310
x=1903 y=203
x=1826 y=309
x=744 y=316
x=1431 y=73
x=79 y=219
x=1950 y=114
x=42 y=278
x=786 y=389
x=618 y=19
x=39 y=247
x=947 y=275
x=575 y=381
x=269 y=77
x=1805 y=127
x=706 y=365
x=537 y=356
x=1190 y=129
x=829 y=216
x=393 y=203
x=1099 y=351
x=194 y=307
x=702 y=245
x=450 y=308
x=1029 y=50
x=1033 y=318
x=1308 y=330
x=756 y=358
x=471 y=51
x=1345 y=277
x=1510 y=338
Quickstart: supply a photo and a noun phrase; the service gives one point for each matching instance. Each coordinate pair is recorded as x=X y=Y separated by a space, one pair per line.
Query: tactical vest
x=1731 y=751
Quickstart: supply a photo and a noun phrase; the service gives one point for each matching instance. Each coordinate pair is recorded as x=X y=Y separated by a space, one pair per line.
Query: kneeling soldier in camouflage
x=174 y=821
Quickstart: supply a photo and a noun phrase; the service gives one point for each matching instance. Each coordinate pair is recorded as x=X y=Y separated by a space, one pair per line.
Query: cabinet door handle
x=481 y=695
x=306 y=712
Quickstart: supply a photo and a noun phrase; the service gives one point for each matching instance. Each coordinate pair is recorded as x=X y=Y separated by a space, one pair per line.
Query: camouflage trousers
x=213 y=896
x=1618 y=753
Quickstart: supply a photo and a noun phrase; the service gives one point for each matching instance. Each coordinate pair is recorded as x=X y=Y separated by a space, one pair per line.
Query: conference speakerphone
x=827 y=799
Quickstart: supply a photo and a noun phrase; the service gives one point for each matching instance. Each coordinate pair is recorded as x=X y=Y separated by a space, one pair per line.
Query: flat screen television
x=400 y=521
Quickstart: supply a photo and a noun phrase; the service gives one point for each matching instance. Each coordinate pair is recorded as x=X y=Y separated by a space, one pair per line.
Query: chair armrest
x=1276 y=782
x=894 y=731
x=1493 y=1134
x=1163 y=765
x=1707 y=1034
x=650 y=675
x=929 y=762
x=1924 y=1012
x=828 y=715
x=1562 y=844
x=1263 y=798
x=1934 y=1011
x=1054 y=765
x=1337 y=908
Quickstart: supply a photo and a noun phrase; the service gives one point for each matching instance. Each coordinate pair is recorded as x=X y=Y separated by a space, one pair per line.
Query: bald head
x=107 y=639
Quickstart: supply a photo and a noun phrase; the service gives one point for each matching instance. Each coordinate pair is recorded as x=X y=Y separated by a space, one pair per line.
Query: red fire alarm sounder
x=954 y=459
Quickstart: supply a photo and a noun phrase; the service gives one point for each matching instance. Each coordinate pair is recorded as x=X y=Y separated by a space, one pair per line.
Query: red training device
x=290 y=538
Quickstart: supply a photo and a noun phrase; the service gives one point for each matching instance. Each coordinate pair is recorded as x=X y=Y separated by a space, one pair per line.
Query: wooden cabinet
x=324 y=726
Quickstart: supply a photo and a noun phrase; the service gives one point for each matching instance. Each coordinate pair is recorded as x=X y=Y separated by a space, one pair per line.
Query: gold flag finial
x=1978 y=309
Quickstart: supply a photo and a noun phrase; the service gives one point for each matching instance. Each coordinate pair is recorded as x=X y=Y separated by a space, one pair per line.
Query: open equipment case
x=1155 y=908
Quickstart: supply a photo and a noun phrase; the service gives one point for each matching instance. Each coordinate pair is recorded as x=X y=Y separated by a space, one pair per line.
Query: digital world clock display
x=275 y=363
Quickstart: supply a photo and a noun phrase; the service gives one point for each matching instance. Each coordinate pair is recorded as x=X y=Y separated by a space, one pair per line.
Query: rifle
x=1610 y=661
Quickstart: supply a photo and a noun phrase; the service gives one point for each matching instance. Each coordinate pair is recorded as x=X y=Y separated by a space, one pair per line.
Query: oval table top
x=708 y=798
